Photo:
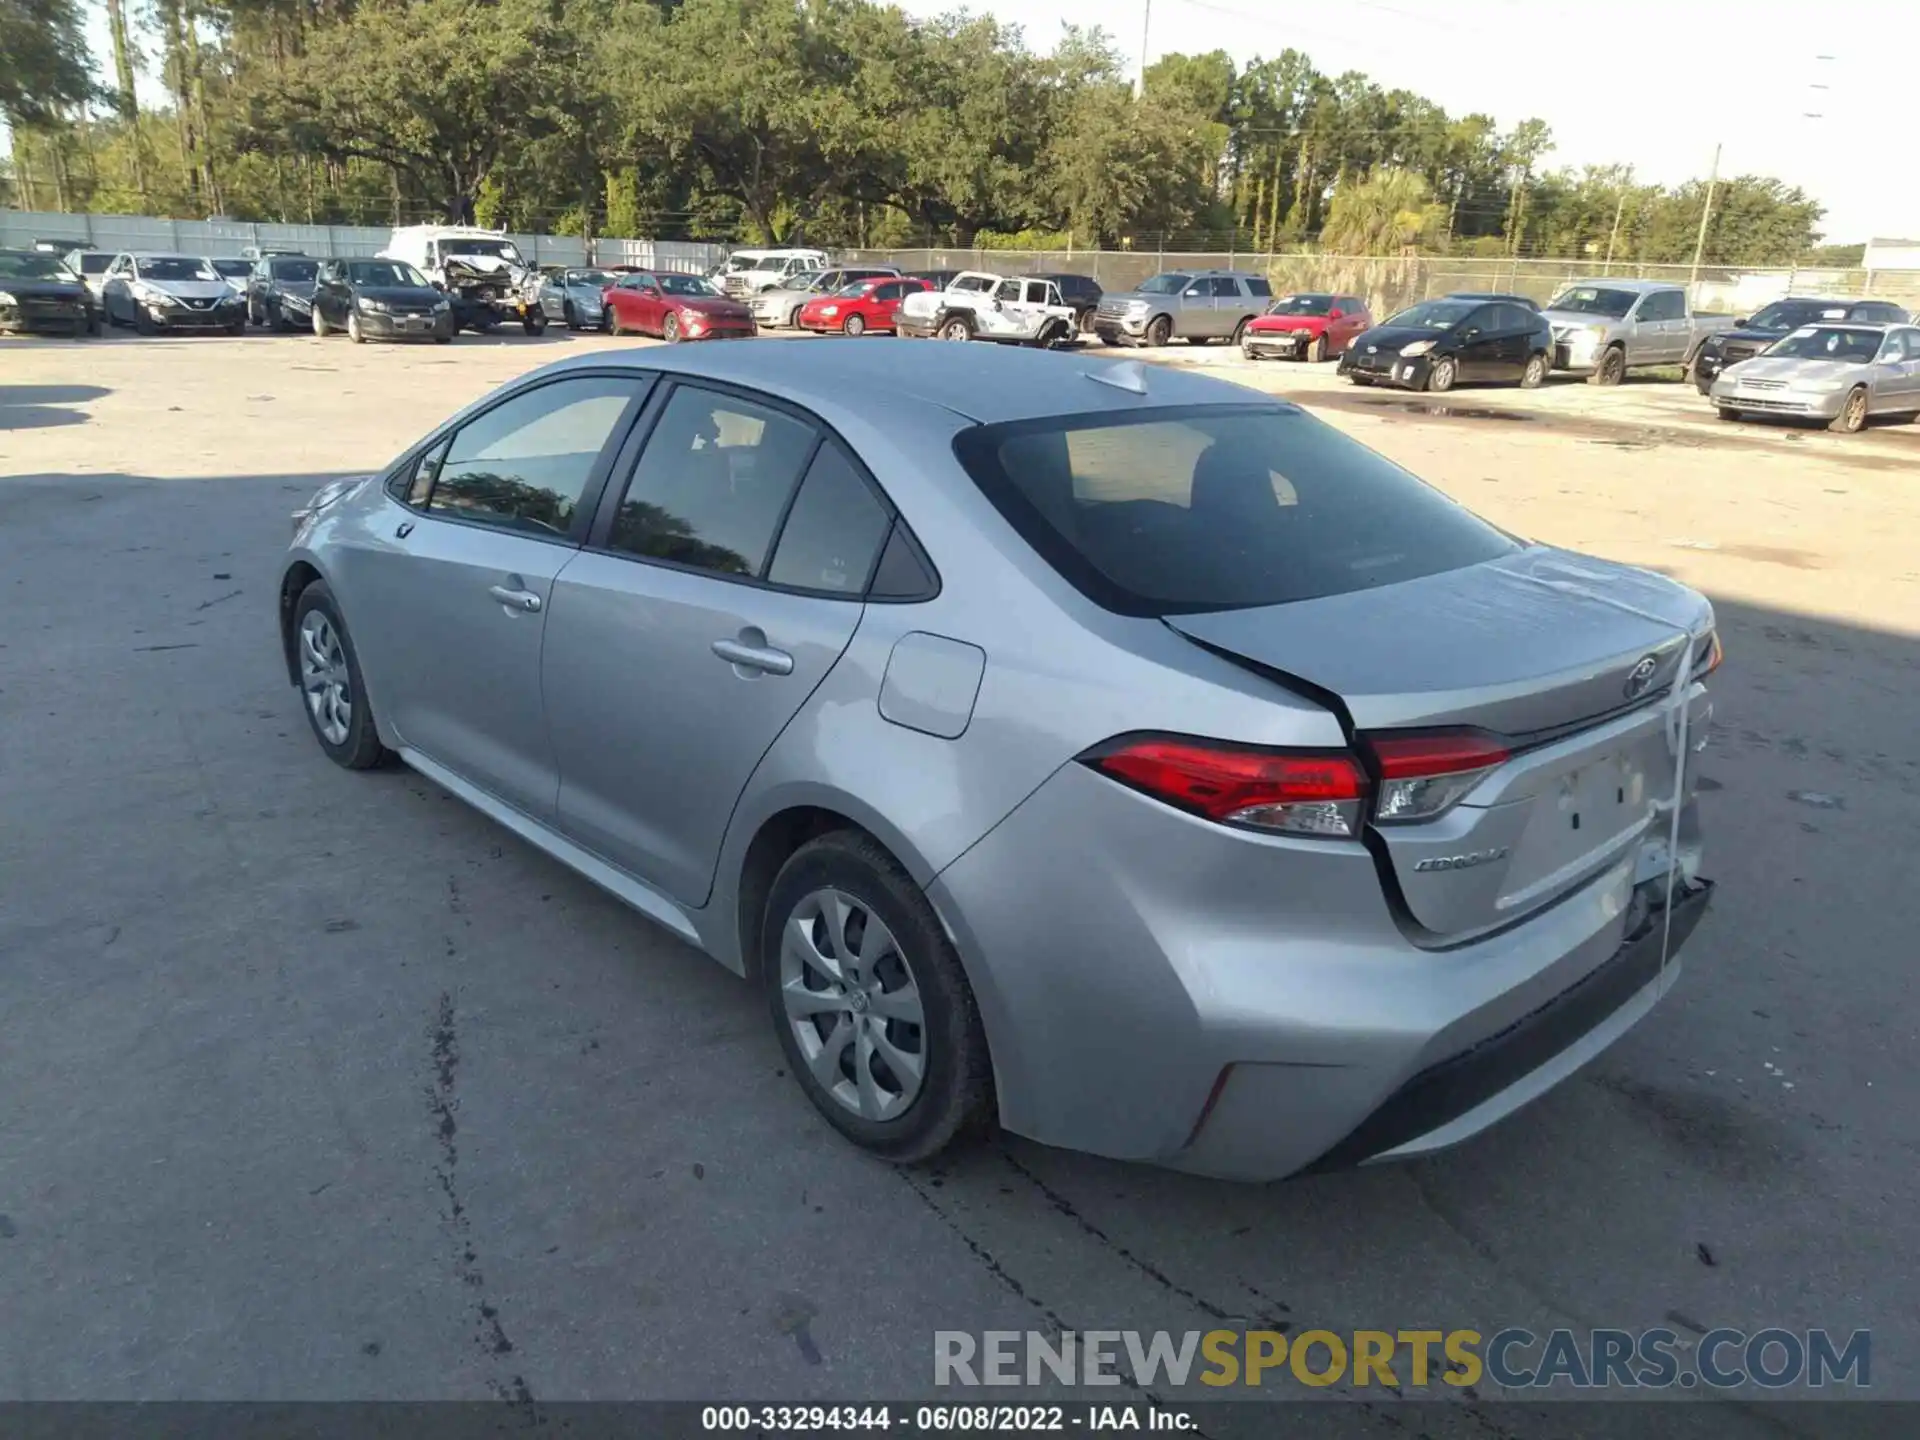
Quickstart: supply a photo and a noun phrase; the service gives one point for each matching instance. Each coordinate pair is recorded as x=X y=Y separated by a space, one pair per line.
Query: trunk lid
x=1563 y=655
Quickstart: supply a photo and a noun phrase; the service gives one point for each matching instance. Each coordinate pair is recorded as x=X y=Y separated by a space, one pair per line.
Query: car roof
x=138 y=255
x=1874 y=327
x=985 y=383
x=1608 y=282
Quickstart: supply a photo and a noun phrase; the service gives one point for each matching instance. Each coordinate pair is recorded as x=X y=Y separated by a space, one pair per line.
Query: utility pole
x=1706 y=210
x=1619 y=208
x=1146 y=26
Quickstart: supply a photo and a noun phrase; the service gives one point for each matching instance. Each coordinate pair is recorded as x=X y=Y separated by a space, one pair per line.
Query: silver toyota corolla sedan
x=1115 y=753
x=1842 y=373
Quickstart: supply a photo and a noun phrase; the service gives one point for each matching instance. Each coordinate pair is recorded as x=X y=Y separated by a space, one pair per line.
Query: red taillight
x=1301 y=792
x=1424 y=775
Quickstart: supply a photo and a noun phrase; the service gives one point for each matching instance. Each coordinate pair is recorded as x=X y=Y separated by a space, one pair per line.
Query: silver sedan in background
x=1844 y=374
x=1118 y=754
x=571 y=297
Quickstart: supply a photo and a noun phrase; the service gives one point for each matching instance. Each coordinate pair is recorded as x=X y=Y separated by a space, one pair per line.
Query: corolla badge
x=1640 y=677
x=1463 y=862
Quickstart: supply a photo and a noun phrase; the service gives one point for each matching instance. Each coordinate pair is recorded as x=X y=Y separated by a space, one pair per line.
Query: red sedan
x=674 y=307
x=864 y=305
x=1318 y=326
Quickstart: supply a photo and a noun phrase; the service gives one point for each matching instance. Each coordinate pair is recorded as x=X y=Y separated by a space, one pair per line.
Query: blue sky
x=1651 y=84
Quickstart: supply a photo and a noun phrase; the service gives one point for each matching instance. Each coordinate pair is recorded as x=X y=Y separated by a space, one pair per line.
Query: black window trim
x=619 y=479
x=399 y=477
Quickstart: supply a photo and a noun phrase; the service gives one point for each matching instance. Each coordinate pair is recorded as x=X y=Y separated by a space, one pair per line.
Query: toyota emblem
x=1640 y=677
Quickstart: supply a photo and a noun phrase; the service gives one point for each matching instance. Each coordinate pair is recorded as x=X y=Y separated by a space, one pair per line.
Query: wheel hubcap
x=323 y=678
x=853 y=1004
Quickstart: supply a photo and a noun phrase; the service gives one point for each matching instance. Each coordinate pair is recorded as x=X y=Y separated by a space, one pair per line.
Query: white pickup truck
x=1604 y=328
x=978 y=305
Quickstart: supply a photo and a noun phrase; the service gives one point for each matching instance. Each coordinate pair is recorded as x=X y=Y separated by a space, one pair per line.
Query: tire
x=670 y=329
x=955 y=327
x=1611 y=369
x=535 y=322
x=1239 y=331
x=443 y=337
x=1442 y=374
x=238 y=327
x=1159 y=331
x=854 y=325
x=1852 y=418
x=1726 y=412
x=320 y=326
x=354 y=745
x=793 y=320
x=143 y=324
x=1535 y=375
x=569 y=316
x=354 y=332
x=612 y=322
x=1084 y=321
x=1316 y=349
x=1362 y=380
x=952 y=1096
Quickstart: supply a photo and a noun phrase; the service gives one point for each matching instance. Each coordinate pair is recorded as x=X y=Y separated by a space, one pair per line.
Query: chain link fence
x=1394 y=282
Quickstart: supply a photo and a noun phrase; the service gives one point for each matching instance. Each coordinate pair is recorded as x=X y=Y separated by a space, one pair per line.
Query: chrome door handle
x=754 y=657
x=515 y=599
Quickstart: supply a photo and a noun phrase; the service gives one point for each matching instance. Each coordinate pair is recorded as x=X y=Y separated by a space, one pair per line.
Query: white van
x=748 y=272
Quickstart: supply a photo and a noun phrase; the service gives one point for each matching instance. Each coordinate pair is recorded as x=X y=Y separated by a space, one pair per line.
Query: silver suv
x=1198 y=306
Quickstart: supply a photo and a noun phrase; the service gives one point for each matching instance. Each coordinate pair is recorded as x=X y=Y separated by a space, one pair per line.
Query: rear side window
x=1260 y=287
x=1225 y=287
x=1177 y=511
x=833 y=533
x=525 y=463
x=712 y=484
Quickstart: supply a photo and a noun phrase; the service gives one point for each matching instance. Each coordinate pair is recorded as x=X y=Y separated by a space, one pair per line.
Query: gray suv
x=1198 y=306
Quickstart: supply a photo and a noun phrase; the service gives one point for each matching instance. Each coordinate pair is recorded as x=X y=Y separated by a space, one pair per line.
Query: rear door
x=723 y=579
x=1479 y=345
x=449 y=601
x=1513 y=324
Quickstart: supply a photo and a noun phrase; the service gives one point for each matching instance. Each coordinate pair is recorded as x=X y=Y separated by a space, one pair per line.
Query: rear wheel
x=1535 y=374
x=854 y=325
x=1441 y=377
x=870 y=1001
x=1316 y=349
x=1612 y=367
x=1853 y=413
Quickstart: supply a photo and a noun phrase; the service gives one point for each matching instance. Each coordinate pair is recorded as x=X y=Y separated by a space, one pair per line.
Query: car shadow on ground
x=33 y=407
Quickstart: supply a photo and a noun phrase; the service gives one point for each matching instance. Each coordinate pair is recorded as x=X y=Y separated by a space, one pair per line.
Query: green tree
x=1385 y=213
x=44 y=65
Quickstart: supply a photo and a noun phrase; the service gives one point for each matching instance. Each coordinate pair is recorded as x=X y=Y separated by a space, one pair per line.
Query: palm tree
x=1386 y=213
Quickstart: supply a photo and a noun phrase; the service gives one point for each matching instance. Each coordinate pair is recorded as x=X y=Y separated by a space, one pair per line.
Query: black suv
x=1082 y=292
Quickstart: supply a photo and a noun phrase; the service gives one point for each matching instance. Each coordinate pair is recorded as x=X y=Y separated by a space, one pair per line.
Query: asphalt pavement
x=317 y=1085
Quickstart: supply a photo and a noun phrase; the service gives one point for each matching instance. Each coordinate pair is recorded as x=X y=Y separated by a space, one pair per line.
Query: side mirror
x=1336 y=314
x=1743 y=322
x=1472 y=332
x=1192 y=294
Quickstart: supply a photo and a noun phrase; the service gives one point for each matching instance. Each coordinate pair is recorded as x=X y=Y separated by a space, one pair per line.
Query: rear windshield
x=1222 y=508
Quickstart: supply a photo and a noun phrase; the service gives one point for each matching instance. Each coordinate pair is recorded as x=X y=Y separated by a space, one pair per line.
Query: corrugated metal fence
x=22 y=229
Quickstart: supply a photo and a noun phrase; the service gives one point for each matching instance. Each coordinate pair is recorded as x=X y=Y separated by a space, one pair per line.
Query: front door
x=696 y=624
x=449 y=601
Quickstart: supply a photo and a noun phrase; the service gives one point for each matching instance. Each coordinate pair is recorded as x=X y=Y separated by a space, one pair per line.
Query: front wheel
x=1316 y=349
x=1612 y=367
x=330 y=684
x=670 y=329
x=1535 y=374
x=612 y=322
x=1726 y=412
x=1441 y=377
x=873 y=1009
x=535 y=321
x=320 y=326
x=1853 y=414
x=854 y=325
x=1239 y=332
x=956 y=329
x=1160 y=331
x=354 y=332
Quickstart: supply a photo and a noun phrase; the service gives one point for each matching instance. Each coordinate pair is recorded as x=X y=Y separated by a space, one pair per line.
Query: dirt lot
x=319 y=1086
